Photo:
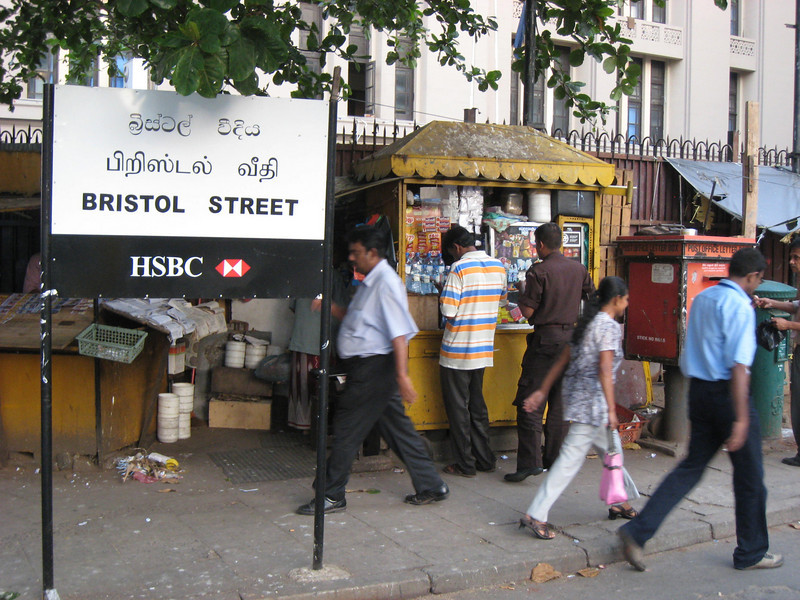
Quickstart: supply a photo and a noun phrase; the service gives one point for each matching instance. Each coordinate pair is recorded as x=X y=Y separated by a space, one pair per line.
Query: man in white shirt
x=373 y=345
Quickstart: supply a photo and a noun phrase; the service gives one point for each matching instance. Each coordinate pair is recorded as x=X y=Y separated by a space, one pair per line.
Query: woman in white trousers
x=591 y=360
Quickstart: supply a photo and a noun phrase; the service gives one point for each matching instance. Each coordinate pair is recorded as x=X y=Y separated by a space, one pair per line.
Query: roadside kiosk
x=501 y=182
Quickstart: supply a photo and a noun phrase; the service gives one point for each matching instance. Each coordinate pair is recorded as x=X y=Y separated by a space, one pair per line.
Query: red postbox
x=665 y=273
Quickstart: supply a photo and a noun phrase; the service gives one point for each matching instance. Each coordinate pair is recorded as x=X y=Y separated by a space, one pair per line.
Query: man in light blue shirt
x=373 y=345
x=718 y=351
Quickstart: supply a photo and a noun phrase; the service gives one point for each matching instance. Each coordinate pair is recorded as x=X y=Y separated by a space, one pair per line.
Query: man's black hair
x=795 y=243
x=550 y=235
x=746 y=261
x=458 y=235
x=370 y=237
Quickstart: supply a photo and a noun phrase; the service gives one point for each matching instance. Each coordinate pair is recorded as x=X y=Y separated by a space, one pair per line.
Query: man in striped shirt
x=475 y=288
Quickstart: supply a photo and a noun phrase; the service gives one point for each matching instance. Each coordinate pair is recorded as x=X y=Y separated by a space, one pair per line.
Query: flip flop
x=539 y=529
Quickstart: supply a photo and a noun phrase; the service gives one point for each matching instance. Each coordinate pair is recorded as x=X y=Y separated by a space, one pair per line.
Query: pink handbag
x=612 y=483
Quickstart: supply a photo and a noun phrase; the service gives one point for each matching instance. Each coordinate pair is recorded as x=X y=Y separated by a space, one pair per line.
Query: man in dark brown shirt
x=551 y=301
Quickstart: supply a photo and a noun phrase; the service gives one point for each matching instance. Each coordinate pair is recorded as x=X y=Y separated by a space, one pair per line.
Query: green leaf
x=221 y=6
x=131 y=8
x=211 y=76
x=576 y=57
x=186 y=76
x=610 y=65
x=164 y=4
x=209 y=21
x=248 y=86
x=241 y=59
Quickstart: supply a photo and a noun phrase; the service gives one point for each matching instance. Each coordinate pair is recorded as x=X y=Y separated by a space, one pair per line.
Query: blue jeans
x=711 y=415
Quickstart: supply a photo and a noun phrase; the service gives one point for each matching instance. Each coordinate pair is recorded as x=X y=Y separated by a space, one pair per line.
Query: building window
x=659 y=13
x=357 y=74
x=403 y=84
x=631 y=8
x=733 y=107
x=122 y=79
x=369 y=89
x=312 y=16
x=635 y=107
x=560 y=110
x=403 y=92
x=515 y=84
x=46 y=73
x=734 y=6
x=657 y=76
x=517 y=89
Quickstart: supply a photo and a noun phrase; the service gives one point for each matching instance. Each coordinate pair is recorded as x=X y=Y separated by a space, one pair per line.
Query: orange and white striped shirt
x=475 y=289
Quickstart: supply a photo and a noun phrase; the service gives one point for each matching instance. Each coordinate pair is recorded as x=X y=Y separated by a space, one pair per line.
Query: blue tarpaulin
x=778 y=191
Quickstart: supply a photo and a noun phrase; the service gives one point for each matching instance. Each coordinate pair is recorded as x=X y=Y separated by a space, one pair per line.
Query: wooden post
x=752 y=136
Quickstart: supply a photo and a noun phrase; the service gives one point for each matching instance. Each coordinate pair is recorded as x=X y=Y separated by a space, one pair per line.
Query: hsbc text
x=166 y=266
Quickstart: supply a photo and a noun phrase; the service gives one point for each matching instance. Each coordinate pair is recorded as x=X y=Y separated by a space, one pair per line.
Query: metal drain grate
x=266 y=464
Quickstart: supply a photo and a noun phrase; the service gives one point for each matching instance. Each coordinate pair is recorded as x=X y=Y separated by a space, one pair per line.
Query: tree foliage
x=210 y=46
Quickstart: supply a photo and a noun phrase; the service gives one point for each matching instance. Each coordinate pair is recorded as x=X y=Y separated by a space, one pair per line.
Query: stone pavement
x=210 y=539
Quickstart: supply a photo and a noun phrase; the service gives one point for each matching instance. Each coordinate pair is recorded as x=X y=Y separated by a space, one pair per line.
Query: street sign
x=157 y=194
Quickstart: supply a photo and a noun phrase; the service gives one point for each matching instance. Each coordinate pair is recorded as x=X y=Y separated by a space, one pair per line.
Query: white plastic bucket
x=254 y=355
x=234 y=354
x=168 y=405
x=167 y=436
x=539 y=206
x=169 y=422
x=184 y=426
x=185 y=393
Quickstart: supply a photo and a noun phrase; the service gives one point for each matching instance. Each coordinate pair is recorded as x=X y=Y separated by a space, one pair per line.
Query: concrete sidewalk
x=211 y=539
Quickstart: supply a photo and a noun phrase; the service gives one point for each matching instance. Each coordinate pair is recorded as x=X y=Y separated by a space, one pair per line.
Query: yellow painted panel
x=499 y=384
x=73 y=403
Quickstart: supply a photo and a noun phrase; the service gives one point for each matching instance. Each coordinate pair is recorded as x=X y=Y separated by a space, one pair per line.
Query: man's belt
x=554 y=326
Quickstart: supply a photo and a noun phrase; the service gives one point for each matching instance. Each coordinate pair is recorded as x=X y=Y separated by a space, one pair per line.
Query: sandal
x=538 y=528
x=454 y=469
x=617 y=511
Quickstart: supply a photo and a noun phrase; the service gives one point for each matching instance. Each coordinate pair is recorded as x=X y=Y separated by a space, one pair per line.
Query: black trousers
x=541 y=353
x=371 y=398
x=711 y=414
x=462 y=392
x=794 y=386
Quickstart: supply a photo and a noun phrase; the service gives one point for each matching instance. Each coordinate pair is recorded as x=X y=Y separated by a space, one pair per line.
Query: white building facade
x=699 y=66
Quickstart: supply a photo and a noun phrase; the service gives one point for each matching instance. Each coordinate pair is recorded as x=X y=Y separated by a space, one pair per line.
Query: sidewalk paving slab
x=210 y=539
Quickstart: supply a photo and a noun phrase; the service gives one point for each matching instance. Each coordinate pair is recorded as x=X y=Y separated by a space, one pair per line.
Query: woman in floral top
x=591 y=361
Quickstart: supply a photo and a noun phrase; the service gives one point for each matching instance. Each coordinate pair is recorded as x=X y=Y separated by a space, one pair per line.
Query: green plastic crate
x=111 y=343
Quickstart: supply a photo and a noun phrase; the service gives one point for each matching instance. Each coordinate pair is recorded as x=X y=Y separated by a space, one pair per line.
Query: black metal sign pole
x=46 y=349
x=325 y=329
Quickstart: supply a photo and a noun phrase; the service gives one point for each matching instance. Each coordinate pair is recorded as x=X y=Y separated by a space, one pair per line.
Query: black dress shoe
x=435 y=495
x=522 y=474
x=331 y=506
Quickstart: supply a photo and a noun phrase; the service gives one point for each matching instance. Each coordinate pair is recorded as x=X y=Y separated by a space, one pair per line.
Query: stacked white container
x=234 y=354
x=539 y=210
x=185 y=393
x=254 y=354
x=168 y=417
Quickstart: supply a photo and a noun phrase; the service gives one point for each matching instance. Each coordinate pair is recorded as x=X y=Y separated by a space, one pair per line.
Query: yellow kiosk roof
x=483 y=151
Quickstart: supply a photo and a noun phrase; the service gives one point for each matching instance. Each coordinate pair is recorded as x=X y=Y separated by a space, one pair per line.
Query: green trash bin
x=769 y=368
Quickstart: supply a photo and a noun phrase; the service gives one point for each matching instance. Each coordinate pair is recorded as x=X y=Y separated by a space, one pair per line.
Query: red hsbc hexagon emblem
x=233 y=267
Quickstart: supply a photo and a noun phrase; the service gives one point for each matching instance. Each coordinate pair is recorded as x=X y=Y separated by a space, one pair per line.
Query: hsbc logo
x=232 y=267
x=166 y=266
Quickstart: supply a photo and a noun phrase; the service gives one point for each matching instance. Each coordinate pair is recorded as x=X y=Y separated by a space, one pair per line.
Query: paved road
x=700 y=572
